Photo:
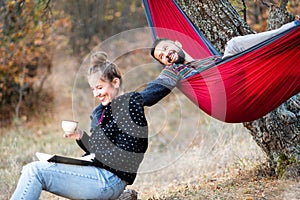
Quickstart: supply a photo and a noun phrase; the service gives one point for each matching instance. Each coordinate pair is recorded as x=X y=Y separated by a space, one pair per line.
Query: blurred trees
x=256 y=13
x=94 y=21
x=26 y=33
x=29 y=31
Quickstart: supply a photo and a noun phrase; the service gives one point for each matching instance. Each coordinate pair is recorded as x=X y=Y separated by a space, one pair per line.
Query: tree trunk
x=277 y=133
x=217 y=19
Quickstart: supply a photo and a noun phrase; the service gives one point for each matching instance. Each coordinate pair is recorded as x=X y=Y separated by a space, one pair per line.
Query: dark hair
x=99 y=63
x=155 y=43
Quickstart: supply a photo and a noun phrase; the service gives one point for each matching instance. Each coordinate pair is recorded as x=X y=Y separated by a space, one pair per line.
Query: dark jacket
x=120 y=140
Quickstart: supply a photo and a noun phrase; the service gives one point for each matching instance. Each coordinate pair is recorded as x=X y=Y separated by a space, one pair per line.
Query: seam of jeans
x=71 y=173
x=113 y=184
x=23 y=195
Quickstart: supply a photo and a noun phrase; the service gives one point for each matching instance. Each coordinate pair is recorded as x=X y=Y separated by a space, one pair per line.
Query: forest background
x=44 y=46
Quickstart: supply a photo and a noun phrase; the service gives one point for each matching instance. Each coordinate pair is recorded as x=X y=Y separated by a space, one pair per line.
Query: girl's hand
x=77 y=134
x=89 y=157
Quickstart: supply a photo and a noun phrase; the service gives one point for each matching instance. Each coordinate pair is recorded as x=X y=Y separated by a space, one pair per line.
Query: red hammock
x=239 y=89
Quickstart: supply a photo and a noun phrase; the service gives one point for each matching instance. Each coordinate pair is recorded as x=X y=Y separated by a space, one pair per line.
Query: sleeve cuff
x=84 y=142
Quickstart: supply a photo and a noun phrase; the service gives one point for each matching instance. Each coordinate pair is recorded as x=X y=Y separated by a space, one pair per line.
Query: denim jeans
x=70 y=181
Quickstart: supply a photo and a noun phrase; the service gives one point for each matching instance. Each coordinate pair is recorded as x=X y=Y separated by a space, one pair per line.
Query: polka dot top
x=120 y=139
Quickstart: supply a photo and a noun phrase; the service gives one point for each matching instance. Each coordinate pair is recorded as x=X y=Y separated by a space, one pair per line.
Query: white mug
x=69 y=125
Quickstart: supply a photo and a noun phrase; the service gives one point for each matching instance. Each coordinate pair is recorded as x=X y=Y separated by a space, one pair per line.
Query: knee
x=229 y=49
x=30 y=168
x=232 y=47
x=232 y=44
x=33 y=168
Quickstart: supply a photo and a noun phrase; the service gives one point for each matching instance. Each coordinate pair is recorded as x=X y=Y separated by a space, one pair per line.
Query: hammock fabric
x=240 y=88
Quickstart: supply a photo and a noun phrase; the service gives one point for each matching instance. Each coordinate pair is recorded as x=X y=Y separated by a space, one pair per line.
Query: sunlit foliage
x=26 y=40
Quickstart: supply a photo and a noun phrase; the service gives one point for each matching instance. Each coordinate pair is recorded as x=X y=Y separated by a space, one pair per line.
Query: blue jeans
x=70 y=181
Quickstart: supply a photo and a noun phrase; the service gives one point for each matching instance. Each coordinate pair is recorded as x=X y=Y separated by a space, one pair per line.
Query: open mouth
x=101 y=99
x=172 y=56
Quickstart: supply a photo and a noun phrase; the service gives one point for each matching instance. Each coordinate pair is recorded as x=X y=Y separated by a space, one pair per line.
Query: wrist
x=79 y=134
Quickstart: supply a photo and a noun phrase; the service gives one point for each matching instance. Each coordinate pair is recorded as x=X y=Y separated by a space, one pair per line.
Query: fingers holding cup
x=73 y=135
x=70 y=127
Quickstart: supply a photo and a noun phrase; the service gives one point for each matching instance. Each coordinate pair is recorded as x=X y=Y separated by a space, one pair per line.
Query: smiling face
x=105 y=91
x=167 y=52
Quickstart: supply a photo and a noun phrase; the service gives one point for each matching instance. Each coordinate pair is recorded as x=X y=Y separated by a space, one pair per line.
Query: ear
x=116 y=82
x=178 y=43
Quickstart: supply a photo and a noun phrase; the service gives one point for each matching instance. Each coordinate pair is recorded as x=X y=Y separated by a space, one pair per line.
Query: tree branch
x=21 y=90
x=244 y=10
x=265 y=4
x=283 y=4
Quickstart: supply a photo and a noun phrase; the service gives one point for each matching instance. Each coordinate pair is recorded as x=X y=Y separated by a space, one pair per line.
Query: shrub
x=26 y=32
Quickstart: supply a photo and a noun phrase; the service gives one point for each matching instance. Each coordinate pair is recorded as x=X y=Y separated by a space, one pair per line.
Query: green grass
x=190 y=155
x=18 y=147
x=178 y=153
